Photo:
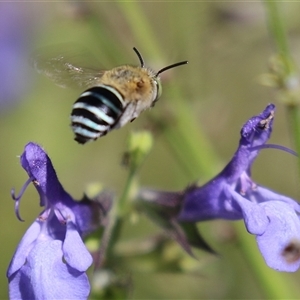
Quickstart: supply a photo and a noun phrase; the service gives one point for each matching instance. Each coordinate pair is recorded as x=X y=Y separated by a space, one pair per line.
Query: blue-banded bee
x=113 y=97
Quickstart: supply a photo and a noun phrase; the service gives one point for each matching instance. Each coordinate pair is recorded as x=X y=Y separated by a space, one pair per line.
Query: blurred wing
x=66 y=70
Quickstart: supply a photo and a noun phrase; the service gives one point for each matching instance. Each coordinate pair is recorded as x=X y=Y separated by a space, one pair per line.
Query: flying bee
x=112 y=97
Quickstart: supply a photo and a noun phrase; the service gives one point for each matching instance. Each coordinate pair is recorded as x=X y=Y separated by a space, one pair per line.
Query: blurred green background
x=228 y=46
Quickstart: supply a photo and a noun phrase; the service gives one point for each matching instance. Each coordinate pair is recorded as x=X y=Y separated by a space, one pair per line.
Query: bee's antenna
x=139 y=56
x=171 y=66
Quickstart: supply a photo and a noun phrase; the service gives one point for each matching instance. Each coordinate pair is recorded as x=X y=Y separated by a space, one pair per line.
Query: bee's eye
x=158 y=89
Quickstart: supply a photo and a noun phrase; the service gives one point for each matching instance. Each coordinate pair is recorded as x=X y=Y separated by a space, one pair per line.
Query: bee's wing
x=65 y=69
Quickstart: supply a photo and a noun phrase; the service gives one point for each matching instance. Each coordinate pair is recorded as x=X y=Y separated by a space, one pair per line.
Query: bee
x=112 y=98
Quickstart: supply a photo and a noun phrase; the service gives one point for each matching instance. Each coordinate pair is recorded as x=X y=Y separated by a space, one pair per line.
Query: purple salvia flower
x=233 y=195
x=51 y=259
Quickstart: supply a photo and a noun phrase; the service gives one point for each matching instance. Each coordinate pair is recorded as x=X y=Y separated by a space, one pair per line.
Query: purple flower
x=233 y=195
x=51 y=259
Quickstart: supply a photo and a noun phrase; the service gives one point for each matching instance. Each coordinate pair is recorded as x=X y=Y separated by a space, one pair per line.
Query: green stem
x=190 y=145
x=294 y=117
x=121 y=205
x=140 y=28
x=112 y=230
x=288 y=90
x=277 y=28
x=108 y=239
x=202 y=158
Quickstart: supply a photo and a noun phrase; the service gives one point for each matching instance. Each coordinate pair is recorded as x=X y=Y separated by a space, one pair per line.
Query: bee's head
x=156 y=77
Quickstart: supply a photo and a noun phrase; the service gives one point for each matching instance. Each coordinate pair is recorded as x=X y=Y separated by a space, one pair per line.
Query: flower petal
x=40 y=169
x=263 y=194
x=45 y=276
x=75 y=252
x=255 y=218
x=280 y=243
x=24 y=248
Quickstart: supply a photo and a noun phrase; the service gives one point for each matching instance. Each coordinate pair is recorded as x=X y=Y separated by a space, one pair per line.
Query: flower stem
x=139 y=145
x=112 y=230
x=121 y=205
x=294 y=116
x=289 y=77
x=277 y=30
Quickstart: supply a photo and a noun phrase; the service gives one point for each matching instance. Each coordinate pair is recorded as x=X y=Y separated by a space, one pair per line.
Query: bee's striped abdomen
x=95 y=112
